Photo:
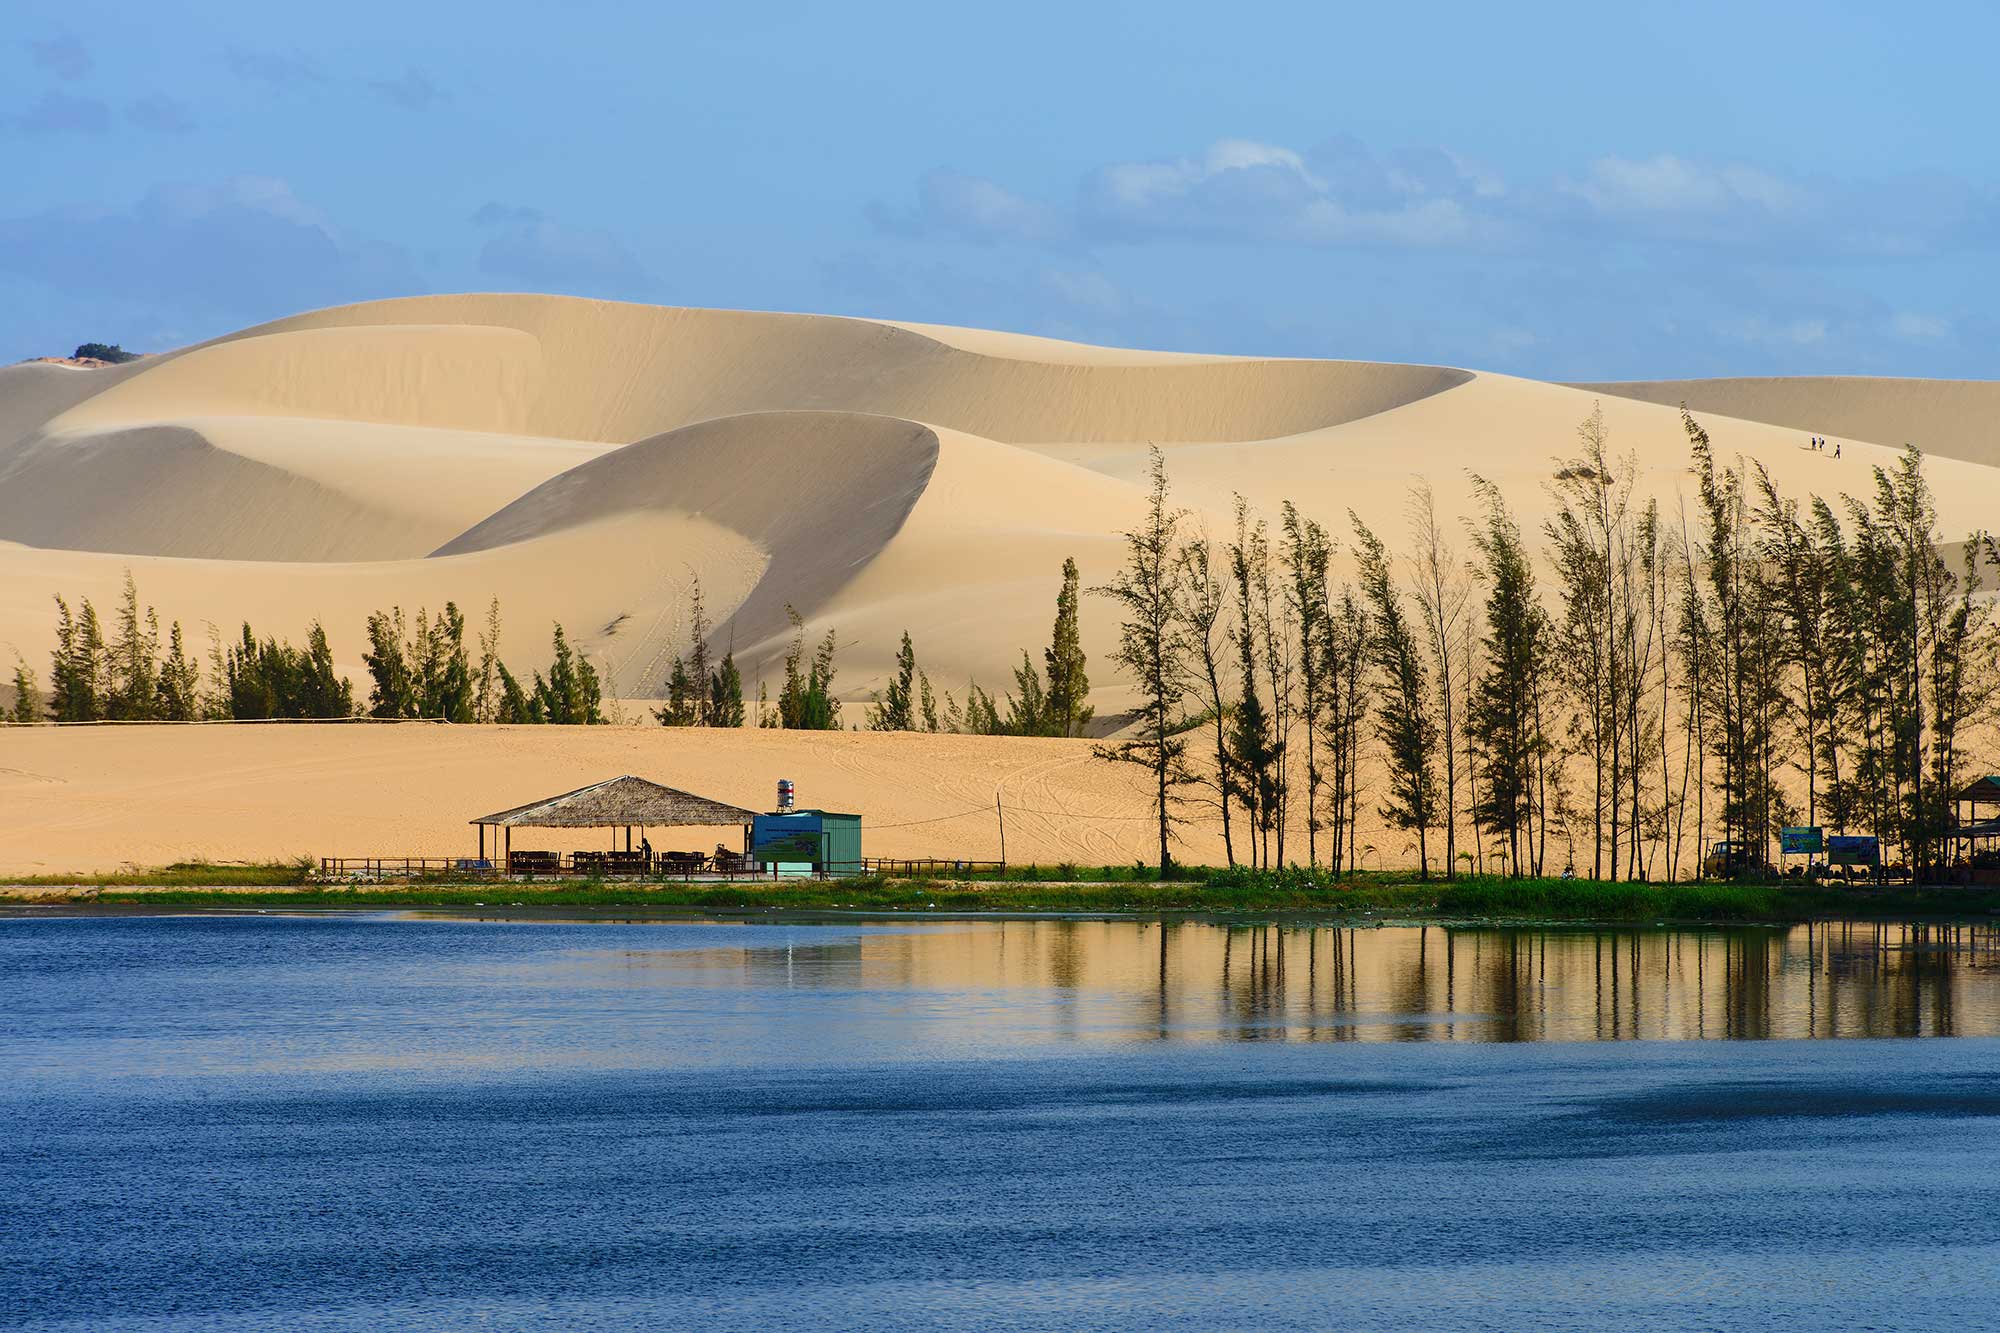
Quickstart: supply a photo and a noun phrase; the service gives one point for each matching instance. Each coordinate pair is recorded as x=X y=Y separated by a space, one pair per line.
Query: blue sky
x=1587 y=191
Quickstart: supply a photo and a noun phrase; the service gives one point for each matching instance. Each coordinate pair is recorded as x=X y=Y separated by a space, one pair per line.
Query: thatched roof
x=618 y=802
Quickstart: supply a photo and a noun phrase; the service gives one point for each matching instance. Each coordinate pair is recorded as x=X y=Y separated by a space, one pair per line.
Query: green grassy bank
x=1063 y=889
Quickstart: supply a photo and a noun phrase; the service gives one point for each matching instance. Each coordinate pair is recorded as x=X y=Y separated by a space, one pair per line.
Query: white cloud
x=1776 y=333
x=1086 y=291
x=970 y=208
x=1339 y=195
x=1675 y=200
x=1669 y=185
x=204 y=252
x=257 y=196
x=1908 y=324
x=533 y=249
x=1484 y=183
x=1431 y=223
x=1233 y=190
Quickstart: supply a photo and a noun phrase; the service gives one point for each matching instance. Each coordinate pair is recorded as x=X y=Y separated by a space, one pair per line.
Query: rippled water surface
x=387 y=1121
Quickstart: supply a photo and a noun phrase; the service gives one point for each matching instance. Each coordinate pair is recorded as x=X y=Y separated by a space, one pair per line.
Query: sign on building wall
x=1801 y=841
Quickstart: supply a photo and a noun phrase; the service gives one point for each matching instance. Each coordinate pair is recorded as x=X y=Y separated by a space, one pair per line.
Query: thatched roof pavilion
x=626 y=802
x=623 y=802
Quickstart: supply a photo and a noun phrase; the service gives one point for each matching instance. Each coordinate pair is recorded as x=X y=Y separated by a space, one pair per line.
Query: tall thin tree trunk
x=1221 y=764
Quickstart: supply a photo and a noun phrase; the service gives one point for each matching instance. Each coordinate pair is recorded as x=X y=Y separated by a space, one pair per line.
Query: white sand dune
x=1944 y=418
x=35 y=392
x=618 y=373
x=167 y=490
x=739 y=472
x=582 y=461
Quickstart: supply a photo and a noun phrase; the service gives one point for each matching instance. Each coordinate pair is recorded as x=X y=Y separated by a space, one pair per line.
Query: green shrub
x=111 y=352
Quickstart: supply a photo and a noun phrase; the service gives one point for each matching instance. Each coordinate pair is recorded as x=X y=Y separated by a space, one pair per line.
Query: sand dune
x=973 y=573
x=1512 y=431
x=471 y=376
x=166 y=490
x=38 y=391
x=820 y=492
x=1944 y=418
x=619 y=373
x=583 y=461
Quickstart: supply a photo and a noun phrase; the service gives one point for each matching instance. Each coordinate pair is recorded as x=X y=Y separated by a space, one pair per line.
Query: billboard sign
x=788 y=847
x=1854 y=850
x=1801 y=841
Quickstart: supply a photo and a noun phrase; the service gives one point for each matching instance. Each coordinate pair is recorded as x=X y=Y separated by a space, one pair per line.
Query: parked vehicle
x=1736 y=860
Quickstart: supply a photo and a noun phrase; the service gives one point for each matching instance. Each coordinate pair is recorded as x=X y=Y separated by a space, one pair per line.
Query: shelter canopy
x=623 y=802
x=1981 y=791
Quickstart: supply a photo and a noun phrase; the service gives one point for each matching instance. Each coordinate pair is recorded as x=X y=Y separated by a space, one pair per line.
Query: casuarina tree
x=1153 y=649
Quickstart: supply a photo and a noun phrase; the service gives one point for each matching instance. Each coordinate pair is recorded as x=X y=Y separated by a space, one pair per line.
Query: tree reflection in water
x=1202 y=981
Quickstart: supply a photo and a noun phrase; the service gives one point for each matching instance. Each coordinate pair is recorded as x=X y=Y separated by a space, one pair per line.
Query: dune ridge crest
x=619 y=372
x=821 y=493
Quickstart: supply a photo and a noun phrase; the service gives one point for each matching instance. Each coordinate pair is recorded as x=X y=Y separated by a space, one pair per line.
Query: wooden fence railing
x=923 y=868
x=632 y=866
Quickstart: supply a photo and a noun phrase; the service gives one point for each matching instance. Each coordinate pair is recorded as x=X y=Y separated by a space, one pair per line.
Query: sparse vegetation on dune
x=110 y=353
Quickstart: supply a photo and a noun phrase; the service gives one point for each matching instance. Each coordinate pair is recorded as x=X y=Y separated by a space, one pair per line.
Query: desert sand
x=90 y=798
x=585 y=461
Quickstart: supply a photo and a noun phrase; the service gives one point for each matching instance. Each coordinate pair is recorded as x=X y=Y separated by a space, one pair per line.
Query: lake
x=362 y=1121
